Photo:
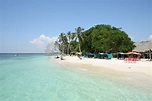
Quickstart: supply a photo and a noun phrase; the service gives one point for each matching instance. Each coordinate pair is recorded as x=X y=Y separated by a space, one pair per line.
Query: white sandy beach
x=113 y=65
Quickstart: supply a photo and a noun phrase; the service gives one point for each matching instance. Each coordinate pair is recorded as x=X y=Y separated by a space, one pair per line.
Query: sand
x=113 y=65
x=135 y=73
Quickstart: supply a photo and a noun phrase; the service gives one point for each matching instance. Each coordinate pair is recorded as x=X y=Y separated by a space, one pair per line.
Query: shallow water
x=28 y=77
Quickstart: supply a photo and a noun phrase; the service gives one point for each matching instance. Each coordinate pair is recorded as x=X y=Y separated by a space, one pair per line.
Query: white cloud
x=42 y=41
x=150 y=37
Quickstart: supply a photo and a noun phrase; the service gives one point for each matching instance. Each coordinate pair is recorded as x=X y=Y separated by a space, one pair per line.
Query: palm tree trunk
x=79 y=48
x=69 y=48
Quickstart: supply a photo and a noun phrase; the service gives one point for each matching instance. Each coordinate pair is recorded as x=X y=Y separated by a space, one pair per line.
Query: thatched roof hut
x=143 y=46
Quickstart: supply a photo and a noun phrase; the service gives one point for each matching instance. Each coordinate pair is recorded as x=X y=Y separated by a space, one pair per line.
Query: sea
x=35 y=77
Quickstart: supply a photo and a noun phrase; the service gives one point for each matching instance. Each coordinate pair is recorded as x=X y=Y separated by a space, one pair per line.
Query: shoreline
x=112 y=65
x=139 y=73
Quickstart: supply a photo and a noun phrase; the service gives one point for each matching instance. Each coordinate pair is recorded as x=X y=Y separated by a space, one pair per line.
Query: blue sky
x=26 y=23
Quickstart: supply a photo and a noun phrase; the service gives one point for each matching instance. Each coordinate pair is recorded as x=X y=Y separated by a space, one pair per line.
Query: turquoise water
x=28 y=77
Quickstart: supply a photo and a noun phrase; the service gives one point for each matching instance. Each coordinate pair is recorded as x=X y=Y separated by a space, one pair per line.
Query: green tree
x=105 y=38
x=69 y=35
x=79 y=36
x=63 y=43
x=99 y=38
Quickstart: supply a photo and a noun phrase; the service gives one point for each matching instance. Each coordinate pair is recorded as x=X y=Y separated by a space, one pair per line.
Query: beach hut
x=144 y=47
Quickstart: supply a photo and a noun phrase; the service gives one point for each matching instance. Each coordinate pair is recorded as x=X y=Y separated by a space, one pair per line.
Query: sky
x=29 y=25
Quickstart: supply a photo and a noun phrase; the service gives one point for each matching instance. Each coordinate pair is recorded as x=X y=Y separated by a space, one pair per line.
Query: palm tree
x=73 y=35
x=57 y=46
x=63 y=42
x=69 y=35
x=79 y=36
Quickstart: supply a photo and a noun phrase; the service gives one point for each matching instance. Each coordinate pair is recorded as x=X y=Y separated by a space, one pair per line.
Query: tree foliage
x=105 y=38
x=79 y=36
x=99 y=38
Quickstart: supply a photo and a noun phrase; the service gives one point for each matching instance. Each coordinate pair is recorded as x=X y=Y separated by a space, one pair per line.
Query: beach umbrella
x=120 y=53
x=129 y=53
x=101 y=53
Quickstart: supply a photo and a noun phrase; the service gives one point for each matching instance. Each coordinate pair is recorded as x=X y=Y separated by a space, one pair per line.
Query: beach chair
x=126 y=59
x=129 y=60
x=110 y=56
x=134 y=60
x=95 y=55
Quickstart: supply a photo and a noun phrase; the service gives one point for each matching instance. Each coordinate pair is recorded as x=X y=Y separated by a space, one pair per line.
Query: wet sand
x=139 y=71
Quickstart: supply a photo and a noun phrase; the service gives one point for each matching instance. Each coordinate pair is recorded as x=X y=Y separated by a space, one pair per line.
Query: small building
x=145 y=48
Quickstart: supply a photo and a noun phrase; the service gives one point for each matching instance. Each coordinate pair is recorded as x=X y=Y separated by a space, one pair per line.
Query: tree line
x=99 y=38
